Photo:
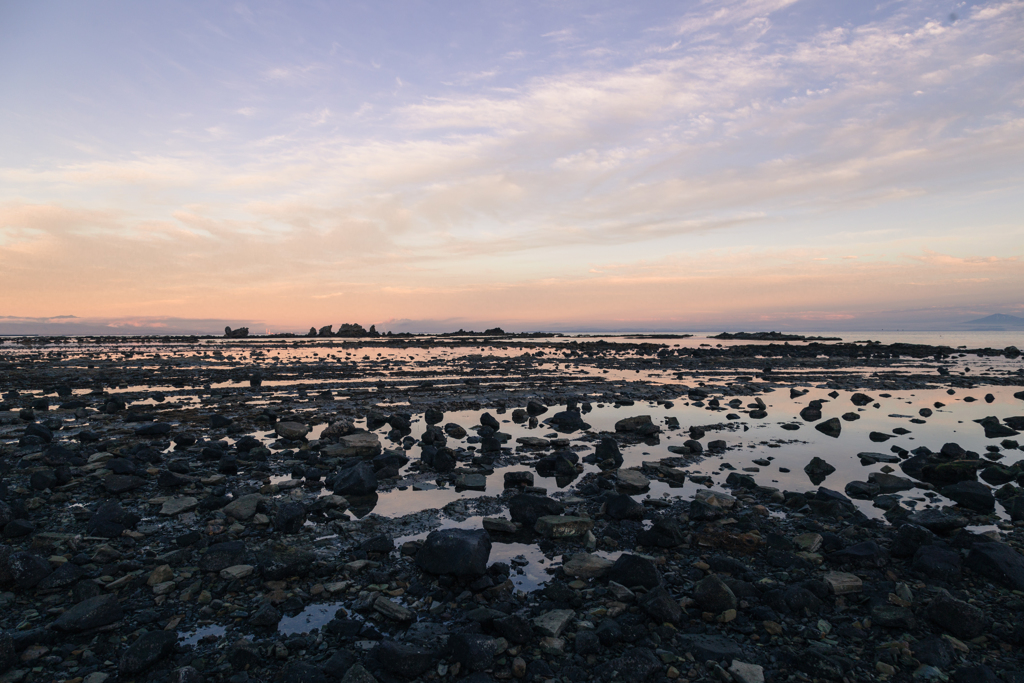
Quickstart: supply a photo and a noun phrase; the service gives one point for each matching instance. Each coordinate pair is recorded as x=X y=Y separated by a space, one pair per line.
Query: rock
x=472 y=482
x=500 y=525
x=568 y=421
x=111 y=520
x=403 y=659
x=27 y=570
x=587 y=566
x=632 y=481
x=285 y=562
x=587 y=643
x=89 y=614
x=713 y=595
x=961 y=619
x=713 y=647
x=841 y=583
x=290 y=518
x=860 y=399
x=608 y=449
x=244 y=507
x=147 y=650
x=994 y=429
x=744 y=672
x=358 y=445
x=527 y=508
x=934 y=651
x=518 y=479
x=817 y=470
x=864 y=554
x=460 y=552
x=473 y=651
x=972 y=495
x=908 y=538
x=175 y=506
x=634 y=570
x=223 y=555
x=893 y=616
x=554 y=622
x=293 y=431
x=357 y=673
x=661 y=606
x=938 y=521
x=830 y=427
x=359 y=480
x=664 y=533
x=622 y=506
x=392 y=610
x=639 y=424
x=998 y=562
x=266 y=616
x=154 y=429
x=558 y=526
x=514 y=628
x=117 y=484
x=635 y=664
x=535 y=408
x=237 y=572
x=862 y=490
x=890 y=483
x=937 y=563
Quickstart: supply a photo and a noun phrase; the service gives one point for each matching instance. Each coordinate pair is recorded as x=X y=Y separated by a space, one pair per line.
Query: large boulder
x=998 y=562
x=359 y=480
x=462 y=552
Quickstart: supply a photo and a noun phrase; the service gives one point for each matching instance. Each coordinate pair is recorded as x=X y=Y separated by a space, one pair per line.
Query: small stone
x=392 y=610
x=238 y=571
x=554 y=622
x=585 y=565
x=176 y=506
x=500 y=525
x=744 y=672
x=559 y=526
x=160 y=575
x=843 y=582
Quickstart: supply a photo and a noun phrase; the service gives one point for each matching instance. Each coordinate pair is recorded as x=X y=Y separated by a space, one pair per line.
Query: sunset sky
x=779 y=164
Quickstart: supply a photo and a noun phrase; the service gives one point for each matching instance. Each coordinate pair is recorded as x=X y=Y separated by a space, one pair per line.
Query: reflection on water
x=313 y=617
x=193 y=637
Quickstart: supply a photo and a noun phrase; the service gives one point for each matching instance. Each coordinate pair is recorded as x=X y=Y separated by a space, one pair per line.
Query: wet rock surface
x=186 y=510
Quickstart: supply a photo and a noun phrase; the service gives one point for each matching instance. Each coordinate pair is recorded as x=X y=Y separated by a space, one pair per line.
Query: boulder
x=713 y=595
x=359 y=480
x=634 y=570
x=998 y=562
x=960 y=618
x=527 y=508
x=147 y=650
x=89 y=614
x=461 y=552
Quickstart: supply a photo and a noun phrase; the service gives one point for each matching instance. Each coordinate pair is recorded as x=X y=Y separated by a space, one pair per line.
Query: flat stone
x=122 y=483
x=89 y=614
x=554 y=622
x=843 y=582
x=559 y=526
x=392 y=610
x=238 y=571
x=161 y=574
x=632 y=481
x=809 y=542
x=743 y=672
x=587 y=566
x=358 y=445
x=291 y=430
x=473 y=482
x=500 y=525
x=244 y=507
x=175 y=506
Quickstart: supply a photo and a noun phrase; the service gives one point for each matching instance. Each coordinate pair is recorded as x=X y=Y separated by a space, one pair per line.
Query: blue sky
x=763 y=162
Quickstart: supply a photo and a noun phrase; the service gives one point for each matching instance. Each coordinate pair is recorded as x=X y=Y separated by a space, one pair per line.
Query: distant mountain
x=998 y=321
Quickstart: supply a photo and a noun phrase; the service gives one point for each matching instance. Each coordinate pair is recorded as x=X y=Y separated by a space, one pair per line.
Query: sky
x=770 y=164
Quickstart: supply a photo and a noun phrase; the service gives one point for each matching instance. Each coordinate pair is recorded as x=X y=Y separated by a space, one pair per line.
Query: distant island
x=997 y=321
x=770 y=336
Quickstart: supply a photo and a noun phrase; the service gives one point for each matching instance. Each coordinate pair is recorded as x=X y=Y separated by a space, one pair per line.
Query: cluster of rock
x=348 y=330
x=237 y=333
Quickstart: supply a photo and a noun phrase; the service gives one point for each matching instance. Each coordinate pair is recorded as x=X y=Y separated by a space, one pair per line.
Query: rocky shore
x=181 y=509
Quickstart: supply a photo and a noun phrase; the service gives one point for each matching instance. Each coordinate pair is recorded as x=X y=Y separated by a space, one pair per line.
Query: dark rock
x=567 y=421
x=962 y=619
x=934 y=651
x=359 y=480
x=893 y=616
x=713 y=647
x=526 y=508
x=154 y=429
x=266 y=616
x=488 y=420
x=998 y=562
x=639 y=424
x=588 y=643
x=27 y=569
x=122 y=483
x=664 y=533
x=860 y=399
x=661 y=606
x=514 y=628
x=64 y=576
x=633 y=570
x=147 y=650
x=608 y=449
x=830 y=427
x=861 y=490
x=938 y=521
x=223 y=555
x=937 y=563
x=282 y=563
x=89 y=614
x=865 y=554
x=971 y=494
x=975 y=673
x=382 y=543
x=535 y=408
x=290 y=518
x=622 y=506
x=461 y=552
x=635 y=664
x=473 y=651
x=712 y=595
x=299 y=672
x=403 y=659
x=817 y=469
